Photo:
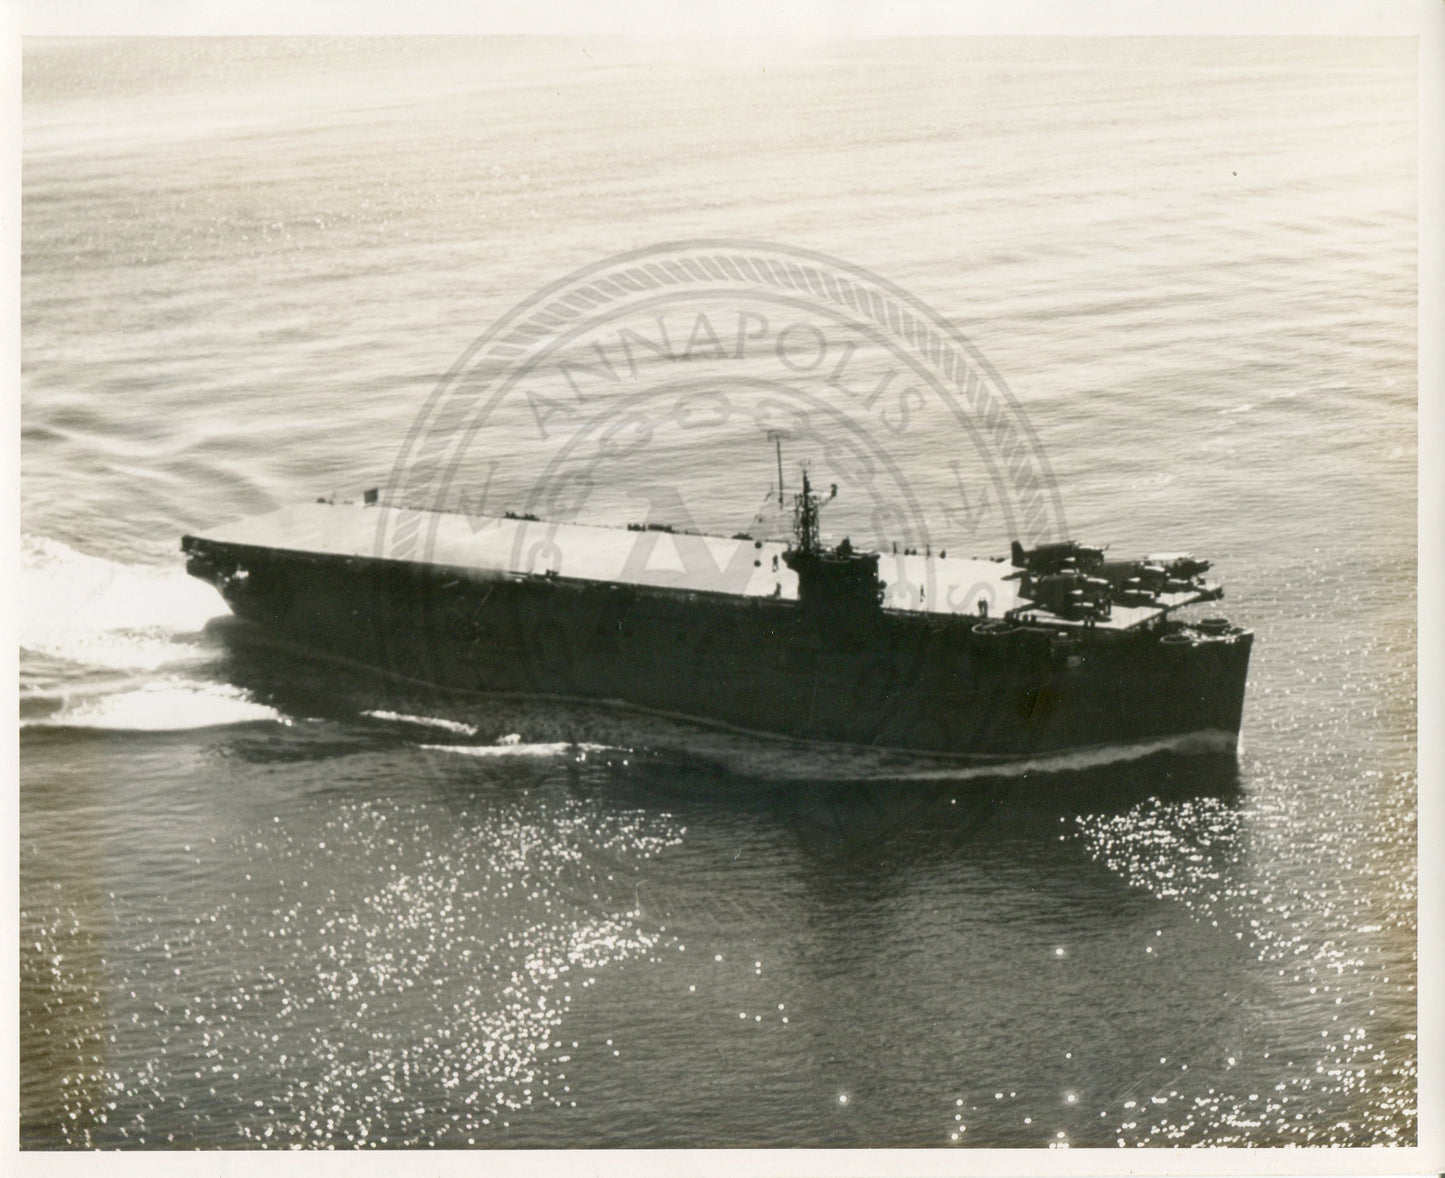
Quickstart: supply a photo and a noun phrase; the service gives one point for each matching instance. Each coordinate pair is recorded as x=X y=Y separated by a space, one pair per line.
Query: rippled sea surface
x=268 y=903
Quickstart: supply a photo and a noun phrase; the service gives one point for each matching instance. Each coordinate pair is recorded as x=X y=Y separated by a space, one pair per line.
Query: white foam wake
x=1093 y=758
x=100 y=613
x=158 y=707
x=759 y=757
x=558 y=748
x=424 y=721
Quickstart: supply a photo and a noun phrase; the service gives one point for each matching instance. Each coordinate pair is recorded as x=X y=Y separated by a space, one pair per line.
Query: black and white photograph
x=823 y=586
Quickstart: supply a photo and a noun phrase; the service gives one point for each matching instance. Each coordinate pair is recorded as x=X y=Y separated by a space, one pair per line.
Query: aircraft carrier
x=975 y=660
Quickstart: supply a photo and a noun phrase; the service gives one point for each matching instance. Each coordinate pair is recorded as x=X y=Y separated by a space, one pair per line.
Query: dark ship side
x=969 y=660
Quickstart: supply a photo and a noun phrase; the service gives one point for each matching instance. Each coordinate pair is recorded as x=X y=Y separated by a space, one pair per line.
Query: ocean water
x=266 y=903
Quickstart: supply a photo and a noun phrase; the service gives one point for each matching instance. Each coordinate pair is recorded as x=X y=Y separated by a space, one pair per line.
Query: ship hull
x=937 y=684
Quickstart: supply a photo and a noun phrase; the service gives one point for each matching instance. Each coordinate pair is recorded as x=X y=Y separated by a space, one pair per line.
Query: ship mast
x=777 y=438
x=805 y=518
